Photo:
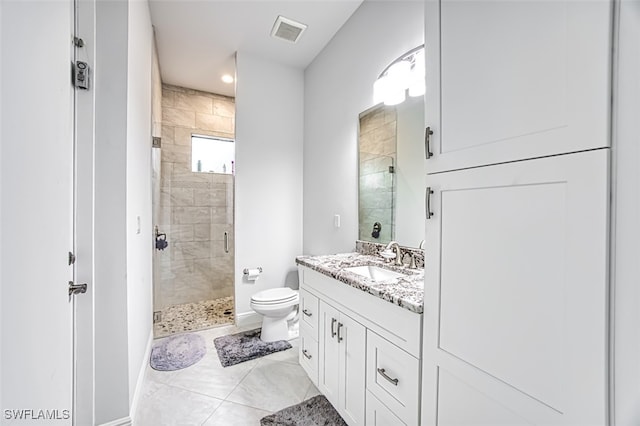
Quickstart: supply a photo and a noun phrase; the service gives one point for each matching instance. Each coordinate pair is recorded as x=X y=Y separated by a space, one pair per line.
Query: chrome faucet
x=394 y=247
x=421 y=246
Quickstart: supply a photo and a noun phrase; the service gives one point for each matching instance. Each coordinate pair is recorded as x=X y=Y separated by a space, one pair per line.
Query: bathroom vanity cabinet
x=362 y=352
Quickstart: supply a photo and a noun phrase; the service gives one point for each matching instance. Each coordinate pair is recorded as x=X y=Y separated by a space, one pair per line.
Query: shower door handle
x=226 y=242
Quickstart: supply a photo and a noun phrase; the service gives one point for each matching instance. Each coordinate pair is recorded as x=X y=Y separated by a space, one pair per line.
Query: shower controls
x=377 y=227
x=161 y=240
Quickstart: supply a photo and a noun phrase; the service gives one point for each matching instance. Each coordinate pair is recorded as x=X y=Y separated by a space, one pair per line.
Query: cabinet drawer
x=309 y=311
x=393 y=376
x=308 y=356
x=379 y=415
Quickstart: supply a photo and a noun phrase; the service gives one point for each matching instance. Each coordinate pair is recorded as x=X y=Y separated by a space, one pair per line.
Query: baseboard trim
x=248 y=318
x=140 y=382
x=125 y=421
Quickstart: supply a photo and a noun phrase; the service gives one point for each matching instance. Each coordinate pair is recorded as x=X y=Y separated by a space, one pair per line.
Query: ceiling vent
x=287 y=29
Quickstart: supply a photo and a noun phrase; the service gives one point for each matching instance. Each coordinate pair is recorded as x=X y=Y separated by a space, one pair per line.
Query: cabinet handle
x=340 y=339
x=427 y=153
x=333 y=322
x=306 y=354
x=307 y=313
x=427 y=201
x=382 y=372
x=226 y=242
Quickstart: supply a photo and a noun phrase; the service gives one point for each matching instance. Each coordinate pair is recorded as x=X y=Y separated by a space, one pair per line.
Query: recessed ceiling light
x=227 y=79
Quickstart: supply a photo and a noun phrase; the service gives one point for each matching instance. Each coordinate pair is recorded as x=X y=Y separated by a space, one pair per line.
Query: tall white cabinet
x=510 y=80
x=516 y=286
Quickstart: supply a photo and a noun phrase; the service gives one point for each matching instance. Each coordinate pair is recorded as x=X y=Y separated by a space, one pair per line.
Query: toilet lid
x=274 y=295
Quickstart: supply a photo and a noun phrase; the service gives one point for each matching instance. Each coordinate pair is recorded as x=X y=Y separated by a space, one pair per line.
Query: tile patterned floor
x=207 y=394
x=194 y=316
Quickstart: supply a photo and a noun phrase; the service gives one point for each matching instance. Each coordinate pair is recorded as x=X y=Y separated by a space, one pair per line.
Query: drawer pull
x=383 y=374
x=307 y=313
x=333 y=323
x=306 y=354
x=340 y=339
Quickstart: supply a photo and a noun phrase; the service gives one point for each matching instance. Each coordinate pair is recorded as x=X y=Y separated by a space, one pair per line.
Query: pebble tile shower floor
x=194 y=316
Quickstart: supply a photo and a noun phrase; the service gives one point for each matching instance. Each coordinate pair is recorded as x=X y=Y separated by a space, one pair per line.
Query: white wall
x=338 y=87
x=626 y=224
x=111 y=340
x=268 y=210
x=1 y=275
x=139 y=240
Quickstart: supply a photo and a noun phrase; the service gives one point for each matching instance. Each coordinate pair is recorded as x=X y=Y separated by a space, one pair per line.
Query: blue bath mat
x=177 y=352
x=240 y=347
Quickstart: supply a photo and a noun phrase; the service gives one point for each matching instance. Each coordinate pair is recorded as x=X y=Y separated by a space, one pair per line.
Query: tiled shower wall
x=195 y=208
x=377 y=151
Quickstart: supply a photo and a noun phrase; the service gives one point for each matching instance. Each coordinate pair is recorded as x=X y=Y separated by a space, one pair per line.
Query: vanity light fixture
x=405 y=73
x=227 y=79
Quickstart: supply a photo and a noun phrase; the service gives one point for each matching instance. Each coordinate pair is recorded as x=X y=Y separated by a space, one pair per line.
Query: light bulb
x=395 y=97
x=380 y=89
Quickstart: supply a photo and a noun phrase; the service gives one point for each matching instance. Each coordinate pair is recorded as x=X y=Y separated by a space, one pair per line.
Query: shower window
x=212 y=155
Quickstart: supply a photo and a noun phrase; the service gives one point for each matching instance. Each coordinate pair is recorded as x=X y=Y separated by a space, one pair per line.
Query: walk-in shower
x=194 y=212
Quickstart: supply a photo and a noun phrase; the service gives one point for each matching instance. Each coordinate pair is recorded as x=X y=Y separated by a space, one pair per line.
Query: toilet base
x=274 y=329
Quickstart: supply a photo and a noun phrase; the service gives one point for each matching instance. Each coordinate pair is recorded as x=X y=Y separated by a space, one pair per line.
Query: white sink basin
x=374 y=273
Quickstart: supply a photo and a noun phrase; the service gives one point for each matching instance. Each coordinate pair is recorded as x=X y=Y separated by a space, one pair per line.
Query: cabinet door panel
x=515 y=80
x=515 y=300
x=352 y=377
x=379 y=415
x=329 y=354
x=402 y=392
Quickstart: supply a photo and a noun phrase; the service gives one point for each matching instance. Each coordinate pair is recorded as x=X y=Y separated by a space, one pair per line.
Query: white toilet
x=277 y=307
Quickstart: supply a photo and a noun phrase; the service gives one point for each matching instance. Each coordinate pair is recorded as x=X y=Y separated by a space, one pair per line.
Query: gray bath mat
x=176 y=352
x=316 y=411
x=240 y=347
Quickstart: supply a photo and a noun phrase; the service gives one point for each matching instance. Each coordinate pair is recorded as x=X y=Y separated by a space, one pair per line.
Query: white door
x=351 y=337
x=329 y=354
x=516 y=294
x=509 y=80
x=37 y=211
x=83 y=351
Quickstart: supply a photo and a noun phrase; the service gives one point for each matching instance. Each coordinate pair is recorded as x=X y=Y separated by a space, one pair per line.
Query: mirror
x=391 y=173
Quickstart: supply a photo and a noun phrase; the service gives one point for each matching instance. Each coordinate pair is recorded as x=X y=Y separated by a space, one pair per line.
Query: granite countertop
x=406 y=292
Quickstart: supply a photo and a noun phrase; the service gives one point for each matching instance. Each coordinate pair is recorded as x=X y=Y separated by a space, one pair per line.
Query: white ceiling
x=197 y=39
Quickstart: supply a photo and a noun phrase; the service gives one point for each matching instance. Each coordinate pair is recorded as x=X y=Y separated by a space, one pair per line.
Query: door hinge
x=76 y=288
x=72 y=258
x=81 y=75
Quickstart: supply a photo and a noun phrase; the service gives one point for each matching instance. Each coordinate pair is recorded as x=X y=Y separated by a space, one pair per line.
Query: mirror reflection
x=391 y=173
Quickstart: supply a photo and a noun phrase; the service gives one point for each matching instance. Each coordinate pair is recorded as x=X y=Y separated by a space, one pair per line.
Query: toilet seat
x=274 y=296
